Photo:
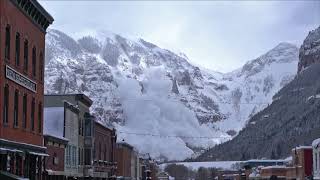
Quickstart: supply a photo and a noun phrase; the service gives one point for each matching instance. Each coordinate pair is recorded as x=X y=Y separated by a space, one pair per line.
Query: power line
x=251 y=103
x=173 y=136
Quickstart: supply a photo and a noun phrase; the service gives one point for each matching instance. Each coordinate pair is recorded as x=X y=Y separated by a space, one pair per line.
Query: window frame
x=7 y=42
x=25 y=55
x=34 y=62
x=24 y=110
x=17 y=49
x=40 y=113
x=16 y=108
x=6 y=95
x=33 y=104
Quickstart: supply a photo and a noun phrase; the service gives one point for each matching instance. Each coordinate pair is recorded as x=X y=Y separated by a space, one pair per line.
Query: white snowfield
x=224 y=165
x=156 y=99
x=53 y=118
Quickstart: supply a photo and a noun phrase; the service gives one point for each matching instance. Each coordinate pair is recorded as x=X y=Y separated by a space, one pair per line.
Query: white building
x=316 y=158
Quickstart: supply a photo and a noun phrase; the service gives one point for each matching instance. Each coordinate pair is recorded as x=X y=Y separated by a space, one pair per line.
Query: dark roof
x=124 y=144
x=104 y=125
x=33 y=10
x=81 y=97
x=55 y=139
x=42 y=10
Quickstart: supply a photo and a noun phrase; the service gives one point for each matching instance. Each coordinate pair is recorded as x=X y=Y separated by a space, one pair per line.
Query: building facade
x=23 y=25
x=124 y=152
x=316 y=158
x=83 y=126
x=104 y=166
x=55 y=141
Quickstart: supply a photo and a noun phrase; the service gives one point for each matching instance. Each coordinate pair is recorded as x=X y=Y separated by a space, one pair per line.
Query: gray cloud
x=219 y=35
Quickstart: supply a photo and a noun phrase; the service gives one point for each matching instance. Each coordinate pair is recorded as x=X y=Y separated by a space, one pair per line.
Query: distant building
x=22 y=43
x=301 y=167
x=278 y=171
x=55 y=141
x=230 y=174
x=316 y=158
x=302 y=162
x=124 y=153
x=262 y=162
x=79 y=155
x=163 y=176
x=104 y=165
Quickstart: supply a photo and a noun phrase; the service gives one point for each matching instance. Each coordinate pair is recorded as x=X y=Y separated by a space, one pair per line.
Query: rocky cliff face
x=143 y=89
x=292 y=119
x=310 y=50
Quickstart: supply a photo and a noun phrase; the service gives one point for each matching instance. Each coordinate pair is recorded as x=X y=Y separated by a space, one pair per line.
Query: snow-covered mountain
x=155 y=98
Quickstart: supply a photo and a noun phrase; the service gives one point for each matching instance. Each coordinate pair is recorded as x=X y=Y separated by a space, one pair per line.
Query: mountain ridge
x=101 y=67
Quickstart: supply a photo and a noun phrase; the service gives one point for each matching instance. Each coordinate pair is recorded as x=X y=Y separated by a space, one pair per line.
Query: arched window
x=34 y=61
x=24 y=115
x=32 y=113
x=40 y=117
x=7 y=43
x=17 y=49
x=100 y=152
x=26 y=55
x=41 y=60
x=16 y=109
x=6 y=104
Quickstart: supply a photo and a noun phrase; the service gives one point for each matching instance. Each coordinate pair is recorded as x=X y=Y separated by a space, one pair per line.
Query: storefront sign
x=20 y=79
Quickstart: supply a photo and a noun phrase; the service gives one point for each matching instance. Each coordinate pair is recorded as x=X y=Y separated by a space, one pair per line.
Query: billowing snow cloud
x=150 y=109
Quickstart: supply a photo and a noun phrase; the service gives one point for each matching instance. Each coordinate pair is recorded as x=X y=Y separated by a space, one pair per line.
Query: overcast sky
x=220 y=35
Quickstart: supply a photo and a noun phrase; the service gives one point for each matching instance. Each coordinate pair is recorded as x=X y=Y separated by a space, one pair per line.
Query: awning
x=38 y=154
x=5 y=150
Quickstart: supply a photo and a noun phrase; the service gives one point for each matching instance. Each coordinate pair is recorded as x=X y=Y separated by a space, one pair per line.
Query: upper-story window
x=16 y=109
x=32 y=113
x=88 y=129
x=7 y=43
x=26 y=55
x=17 y=49
x=40 y=117
x=34 y=61
x=41 y=60
x=6 y=104
x=24 y=113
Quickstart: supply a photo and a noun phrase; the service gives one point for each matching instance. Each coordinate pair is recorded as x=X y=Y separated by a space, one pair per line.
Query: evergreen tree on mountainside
x=291 y=120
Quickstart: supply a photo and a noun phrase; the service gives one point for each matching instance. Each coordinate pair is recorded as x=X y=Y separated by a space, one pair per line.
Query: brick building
x=23 y=25
x=80 y=146
x=124 y=152
x=300 y=168
x=55 y=141
x=104 y=165
x=316 y=158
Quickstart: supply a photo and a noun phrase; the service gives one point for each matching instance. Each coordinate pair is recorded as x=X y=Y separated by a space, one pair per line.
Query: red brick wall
x=103 y=137
x=123 y=158
x=11 y=15
x=49 y=160
x=308 y=162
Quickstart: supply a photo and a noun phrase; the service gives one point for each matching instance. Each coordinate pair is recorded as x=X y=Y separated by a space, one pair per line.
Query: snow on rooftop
x=265 y=160
x=274 y=167
x=54 y=121
x=316 y=142
x=225 y=165
x=302 y=147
